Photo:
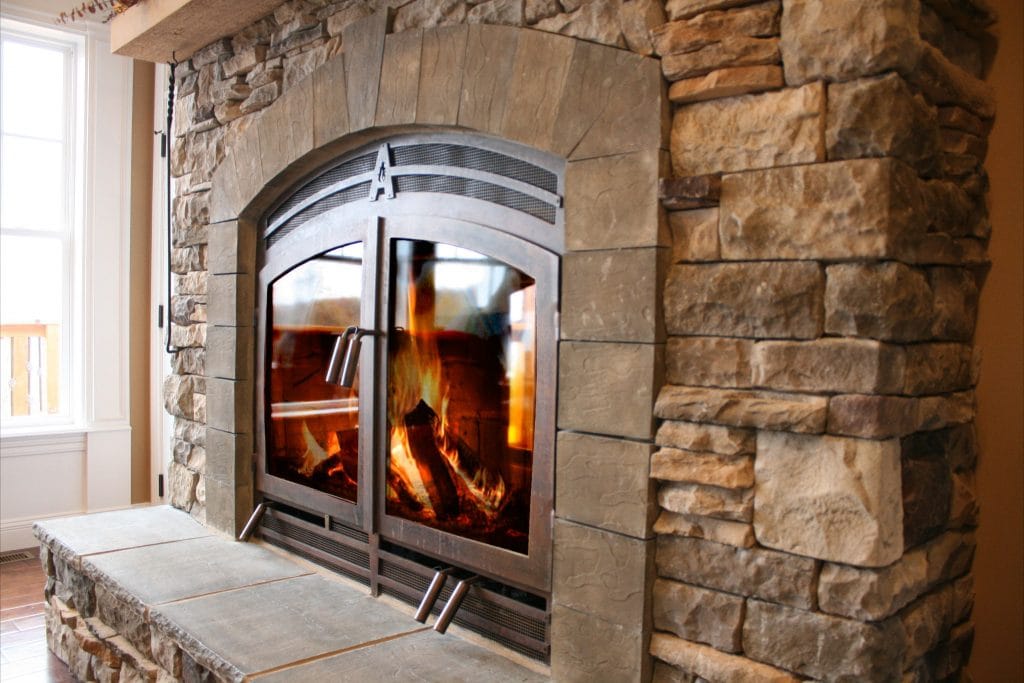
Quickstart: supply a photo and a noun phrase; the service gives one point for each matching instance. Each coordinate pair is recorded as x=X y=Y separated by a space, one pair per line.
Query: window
x=40 y=199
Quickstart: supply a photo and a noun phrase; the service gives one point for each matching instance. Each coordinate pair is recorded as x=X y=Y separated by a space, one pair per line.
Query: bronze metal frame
x=524 y=242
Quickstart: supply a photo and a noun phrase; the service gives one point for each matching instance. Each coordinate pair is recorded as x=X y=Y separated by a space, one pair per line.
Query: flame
x=315 y=454
x=416 y=374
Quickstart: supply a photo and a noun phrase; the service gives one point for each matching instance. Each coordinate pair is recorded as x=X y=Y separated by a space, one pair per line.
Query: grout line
x=236 y=588
x=326 y=655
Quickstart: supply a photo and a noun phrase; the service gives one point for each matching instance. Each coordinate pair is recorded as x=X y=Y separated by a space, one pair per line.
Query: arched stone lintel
x=580 y=101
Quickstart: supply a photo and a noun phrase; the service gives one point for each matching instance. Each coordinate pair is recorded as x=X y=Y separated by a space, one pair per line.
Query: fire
x=315 y=453
x=456 y=484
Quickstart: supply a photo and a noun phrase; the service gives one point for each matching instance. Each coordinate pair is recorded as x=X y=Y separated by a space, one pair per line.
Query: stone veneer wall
x=828 y=232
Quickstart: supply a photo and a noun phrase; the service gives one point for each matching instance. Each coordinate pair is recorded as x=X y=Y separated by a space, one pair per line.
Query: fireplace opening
x=406 y=374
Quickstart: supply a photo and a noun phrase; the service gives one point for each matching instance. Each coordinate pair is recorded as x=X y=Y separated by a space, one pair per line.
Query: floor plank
x=23 y=654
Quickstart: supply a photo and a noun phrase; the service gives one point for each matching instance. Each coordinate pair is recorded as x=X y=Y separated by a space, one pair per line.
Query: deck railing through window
x=29 y=370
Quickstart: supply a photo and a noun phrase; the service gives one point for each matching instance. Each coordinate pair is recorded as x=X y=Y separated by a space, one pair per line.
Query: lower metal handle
x=454 y=602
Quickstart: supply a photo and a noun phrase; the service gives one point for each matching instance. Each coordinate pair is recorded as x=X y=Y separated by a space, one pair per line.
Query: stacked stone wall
x=828 y=220
x=817 y=446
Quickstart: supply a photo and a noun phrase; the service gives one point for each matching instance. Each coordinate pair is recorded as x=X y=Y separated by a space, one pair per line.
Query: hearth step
x=149 y=591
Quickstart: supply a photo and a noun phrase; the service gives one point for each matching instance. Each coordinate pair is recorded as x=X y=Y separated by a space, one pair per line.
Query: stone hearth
x=775 y=234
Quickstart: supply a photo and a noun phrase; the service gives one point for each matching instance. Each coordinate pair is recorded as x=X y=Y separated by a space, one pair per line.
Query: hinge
x=160 y=485
x=160 y=317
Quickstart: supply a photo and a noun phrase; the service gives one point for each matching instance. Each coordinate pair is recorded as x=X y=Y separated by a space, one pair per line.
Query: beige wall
x=998 y=565
x=141 y=228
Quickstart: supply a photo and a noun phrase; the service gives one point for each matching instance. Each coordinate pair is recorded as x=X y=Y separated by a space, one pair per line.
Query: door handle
x=337 y=355
x=342 y=370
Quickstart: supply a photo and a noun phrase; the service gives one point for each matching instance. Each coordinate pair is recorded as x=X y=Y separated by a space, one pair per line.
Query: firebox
x=408 y=314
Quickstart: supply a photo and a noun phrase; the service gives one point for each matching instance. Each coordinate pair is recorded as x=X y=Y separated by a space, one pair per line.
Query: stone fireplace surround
x=765 y=410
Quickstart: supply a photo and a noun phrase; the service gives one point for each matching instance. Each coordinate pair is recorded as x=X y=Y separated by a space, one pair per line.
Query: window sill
x=163 y=31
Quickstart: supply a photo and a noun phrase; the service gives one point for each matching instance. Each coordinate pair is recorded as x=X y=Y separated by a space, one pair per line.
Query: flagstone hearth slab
x=257 y=628
x=187 y=569
x=75 y=537
x=424 y=656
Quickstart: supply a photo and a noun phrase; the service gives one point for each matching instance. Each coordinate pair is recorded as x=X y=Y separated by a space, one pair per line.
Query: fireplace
x=407 y=304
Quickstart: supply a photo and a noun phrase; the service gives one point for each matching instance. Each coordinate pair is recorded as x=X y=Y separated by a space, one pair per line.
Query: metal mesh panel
x=352 y=194
x=352 y=555
x=429 y=154
x=477 y=190
x=459 y=156
x=361 y=164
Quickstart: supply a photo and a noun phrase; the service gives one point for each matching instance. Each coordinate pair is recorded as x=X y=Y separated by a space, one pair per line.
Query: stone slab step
x=245 y=612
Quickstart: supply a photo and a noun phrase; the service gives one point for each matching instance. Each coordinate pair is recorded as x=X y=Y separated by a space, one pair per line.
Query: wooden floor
x=23 y=654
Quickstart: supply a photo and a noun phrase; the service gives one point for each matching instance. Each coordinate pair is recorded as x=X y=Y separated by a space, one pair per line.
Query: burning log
x=422 y=424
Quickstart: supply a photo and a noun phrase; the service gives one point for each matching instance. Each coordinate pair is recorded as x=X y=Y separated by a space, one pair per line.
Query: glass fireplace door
x=466 y=393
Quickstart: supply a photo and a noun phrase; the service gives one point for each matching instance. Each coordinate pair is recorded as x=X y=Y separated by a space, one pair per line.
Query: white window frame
x=70 y=235
x=84 y=465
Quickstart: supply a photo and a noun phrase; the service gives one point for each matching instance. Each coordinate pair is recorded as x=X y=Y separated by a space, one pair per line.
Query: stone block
x=613 y=202
x=286 y=129
x=613 y=295
x=707 y=501
x=484 y=89
x=963 y=502
x=846 y=39
x=833 y=498
x=604 y=483
x=230 y=300
x=822 y=646
x=330 y=102
x=601 y=573
x=637 y=20
x=777 y=299
x=927 y=622
x=727 y=82
x=709 y=361
x=875 y=594
x=927 y=488
x=229 y=455
x=710 y=438
x=938 y=368
x=754 y=131
x=613 y=103
x=538 y=78
x=182 y=483
x=585 y=648
x=712 y=664
x=243 y=152
x=937 y=412
x=724 y=531
x=940 y=80
x=684 y=9
x=708 y=469
x=866 y=208
x=829 y=365
x=736 y=408
x=694 y=235
x=956 y=445
x=608 y=388
x=872 y=417
x=229 y=405
x=698 y=614
x=442 y=64
x=757 y=572
x=229 y=352
x=125 y=617
x=689 y=35
x=735 y=52
x=399 y=79
x=956 y=303
x=364 y=54
x=228 y=504
x=889 y=301
x=596 y=22
x=877 y=117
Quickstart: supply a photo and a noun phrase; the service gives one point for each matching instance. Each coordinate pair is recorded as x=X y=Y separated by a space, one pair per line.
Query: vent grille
x=446 y=162
x=357 y=557
x=15 y=556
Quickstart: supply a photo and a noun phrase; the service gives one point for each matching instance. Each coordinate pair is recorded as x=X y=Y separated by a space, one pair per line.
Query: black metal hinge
x=160 y=485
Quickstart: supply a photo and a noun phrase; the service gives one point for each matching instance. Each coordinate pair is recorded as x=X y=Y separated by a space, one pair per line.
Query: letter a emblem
x=382 y=181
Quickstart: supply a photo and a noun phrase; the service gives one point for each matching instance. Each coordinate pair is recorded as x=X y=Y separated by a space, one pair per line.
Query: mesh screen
x=430 y=154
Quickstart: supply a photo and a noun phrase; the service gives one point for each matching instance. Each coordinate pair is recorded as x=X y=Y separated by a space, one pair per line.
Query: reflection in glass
x=461 y=367
x=313 y=437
